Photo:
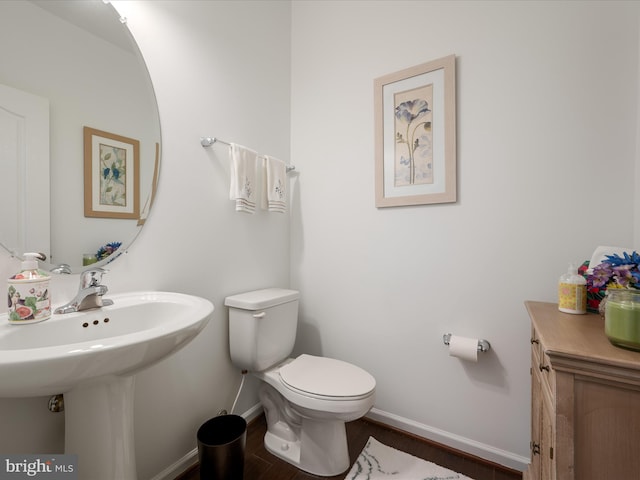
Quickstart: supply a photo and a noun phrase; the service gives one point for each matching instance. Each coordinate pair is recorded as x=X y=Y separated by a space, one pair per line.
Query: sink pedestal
x=99 y=428
x=91 y=357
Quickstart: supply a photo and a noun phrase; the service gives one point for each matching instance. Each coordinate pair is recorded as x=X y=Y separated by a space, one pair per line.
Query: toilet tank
x=262 y=327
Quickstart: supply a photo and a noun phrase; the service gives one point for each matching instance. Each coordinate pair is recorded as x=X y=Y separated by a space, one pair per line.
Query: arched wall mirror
x=79 y=132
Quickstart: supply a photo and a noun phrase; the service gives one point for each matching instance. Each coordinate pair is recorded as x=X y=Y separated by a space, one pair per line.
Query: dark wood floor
x=261 y=465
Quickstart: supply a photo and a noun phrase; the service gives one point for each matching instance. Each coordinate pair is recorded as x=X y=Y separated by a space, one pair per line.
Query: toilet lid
x=327 y=377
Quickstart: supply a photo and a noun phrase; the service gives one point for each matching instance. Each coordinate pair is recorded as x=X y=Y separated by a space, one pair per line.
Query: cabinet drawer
x=548 y=375
x=541 y=362
x=535 y=342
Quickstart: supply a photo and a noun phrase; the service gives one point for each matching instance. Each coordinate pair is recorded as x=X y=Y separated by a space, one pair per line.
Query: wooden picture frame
x=111 y=175
x=154 y=184
x=415 y=135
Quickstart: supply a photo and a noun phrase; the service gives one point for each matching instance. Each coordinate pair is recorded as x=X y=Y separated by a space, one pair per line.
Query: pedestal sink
x=92 y=357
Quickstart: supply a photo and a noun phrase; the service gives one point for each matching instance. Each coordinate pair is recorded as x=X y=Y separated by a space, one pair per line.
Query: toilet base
x=306 y=439
x=320 y=450
x=287 y=450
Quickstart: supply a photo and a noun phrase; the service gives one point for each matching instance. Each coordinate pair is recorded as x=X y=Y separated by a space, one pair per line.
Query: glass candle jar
x=89 y=259
x=622 y=318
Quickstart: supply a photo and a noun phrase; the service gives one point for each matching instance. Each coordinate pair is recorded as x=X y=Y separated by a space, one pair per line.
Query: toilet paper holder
x=483 y=345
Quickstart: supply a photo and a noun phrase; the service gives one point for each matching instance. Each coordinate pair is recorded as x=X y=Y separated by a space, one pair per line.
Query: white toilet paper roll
x=463 y=348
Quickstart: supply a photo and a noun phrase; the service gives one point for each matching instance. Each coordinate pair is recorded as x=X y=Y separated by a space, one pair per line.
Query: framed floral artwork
x=111 y=175
x=415 y=135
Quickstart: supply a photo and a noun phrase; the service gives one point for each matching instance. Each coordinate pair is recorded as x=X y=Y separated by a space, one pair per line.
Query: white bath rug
x=378 y=462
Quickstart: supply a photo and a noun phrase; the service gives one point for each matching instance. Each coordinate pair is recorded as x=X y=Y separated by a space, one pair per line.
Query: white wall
x=546 y=137
x=217 y=70
x=547 y=101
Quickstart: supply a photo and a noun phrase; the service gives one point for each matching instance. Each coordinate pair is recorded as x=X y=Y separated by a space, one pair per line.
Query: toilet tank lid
x=259 y=299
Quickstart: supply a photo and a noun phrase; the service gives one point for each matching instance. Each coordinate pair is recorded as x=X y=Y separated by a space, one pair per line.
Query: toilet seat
x=326 y=378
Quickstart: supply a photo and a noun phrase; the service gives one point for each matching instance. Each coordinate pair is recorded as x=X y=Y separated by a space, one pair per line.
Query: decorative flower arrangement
x=617 y=272
x=108 y=249
x=614 y=272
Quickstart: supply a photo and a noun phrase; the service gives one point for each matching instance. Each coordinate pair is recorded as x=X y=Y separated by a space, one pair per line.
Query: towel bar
x=209 y=141
x=483 y=345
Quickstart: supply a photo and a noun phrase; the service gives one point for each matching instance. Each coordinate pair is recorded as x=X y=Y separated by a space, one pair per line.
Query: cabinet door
x=542 y=432
x=536 y=409
x=607 y=430
x=547 y=440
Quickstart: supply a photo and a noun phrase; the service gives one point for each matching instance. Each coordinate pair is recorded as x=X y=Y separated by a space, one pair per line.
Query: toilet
x=307 y=399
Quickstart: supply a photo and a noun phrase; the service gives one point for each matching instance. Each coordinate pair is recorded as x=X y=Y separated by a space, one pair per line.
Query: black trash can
x=221 y=443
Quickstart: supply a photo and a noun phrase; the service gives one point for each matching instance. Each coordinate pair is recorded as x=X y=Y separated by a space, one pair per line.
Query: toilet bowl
x=307 y=399
x=306 y=412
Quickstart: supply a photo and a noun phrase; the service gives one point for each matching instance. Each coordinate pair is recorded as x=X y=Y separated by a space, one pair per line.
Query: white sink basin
x=91 y=357
x=138 y=330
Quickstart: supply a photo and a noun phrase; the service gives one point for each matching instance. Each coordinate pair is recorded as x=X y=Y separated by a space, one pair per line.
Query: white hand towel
x=274 y=193
x=243 y=178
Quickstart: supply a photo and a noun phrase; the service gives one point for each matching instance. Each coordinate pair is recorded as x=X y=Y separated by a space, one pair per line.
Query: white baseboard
x=191 y=458
x=487 y=452
x=484 y=451
x=179 y=467
x=253 y=412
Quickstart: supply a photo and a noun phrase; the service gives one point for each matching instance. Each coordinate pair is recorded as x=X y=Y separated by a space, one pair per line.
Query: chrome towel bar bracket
x=208 y=141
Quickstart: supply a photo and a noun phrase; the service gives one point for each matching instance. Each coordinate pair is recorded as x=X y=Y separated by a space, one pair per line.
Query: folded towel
x=274 y=193
x=243 y=178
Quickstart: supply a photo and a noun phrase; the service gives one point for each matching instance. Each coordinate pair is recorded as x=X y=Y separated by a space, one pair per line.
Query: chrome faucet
x=90 y=293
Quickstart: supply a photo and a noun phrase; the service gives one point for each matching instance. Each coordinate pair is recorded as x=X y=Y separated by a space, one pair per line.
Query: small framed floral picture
x=111 y=175
x=415 y=135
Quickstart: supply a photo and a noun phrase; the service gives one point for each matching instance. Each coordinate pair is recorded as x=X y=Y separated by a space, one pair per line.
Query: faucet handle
x=92 y=277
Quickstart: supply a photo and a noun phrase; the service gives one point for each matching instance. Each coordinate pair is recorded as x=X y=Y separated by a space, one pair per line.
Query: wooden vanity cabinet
x=585 y=400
